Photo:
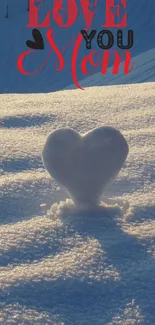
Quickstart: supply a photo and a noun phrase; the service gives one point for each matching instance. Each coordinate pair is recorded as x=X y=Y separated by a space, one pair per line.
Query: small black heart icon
x=38 y=43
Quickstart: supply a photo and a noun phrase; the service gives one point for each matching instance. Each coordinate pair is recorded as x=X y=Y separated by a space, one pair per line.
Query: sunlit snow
x=60 y=264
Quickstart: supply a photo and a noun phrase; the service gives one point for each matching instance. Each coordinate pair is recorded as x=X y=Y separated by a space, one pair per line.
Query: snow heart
x=84 y=165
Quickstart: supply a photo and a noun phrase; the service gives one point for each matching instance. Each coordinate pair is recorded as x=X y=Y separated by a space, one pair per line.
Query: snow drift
x=63 y=266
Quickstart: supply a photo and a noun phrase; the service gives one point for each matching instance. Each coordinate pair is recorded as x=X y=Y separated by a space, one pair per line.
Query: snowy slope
x=67 y=267
x=15 y=34
x=143 y=71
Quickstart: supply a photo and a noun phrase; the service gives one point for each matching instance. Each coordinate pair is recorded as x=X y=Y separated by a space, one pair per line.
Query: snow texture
x=60 y=265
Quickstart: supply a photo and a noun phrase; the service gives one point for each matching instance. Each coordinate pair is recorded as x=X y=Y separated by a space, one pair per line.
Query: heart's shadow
x=105 y=224
x=93 y=298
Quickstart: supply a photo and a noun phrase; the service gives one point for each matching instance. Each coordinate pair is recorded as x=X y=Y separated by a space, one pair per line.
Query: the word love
x=71 y=9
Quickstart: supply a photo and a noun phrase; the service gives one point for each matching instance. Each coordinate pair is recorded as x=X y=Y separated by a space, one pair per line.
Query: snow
x=143 y=71
x=59 y=264
x=84 y=165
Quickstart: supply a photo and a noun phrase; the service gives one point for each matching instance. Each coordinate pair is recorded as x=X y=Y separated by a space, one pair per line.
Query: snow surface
x=66 y=266
x=140 y=18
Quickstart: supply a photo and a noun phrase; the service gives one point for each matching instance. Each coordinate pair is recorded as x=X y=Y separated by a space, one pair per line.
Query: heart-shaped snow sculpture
x=38 y=43
x=85 y=164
